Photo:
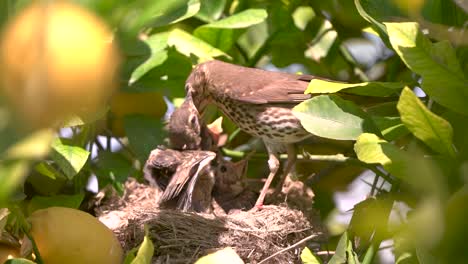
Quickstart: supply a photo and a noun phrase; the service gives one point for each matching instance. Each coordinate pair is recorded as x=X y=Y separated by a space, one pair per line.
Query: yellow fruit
x=56 y=59
x=122 y=104
x=65 y=235
x=8 y=252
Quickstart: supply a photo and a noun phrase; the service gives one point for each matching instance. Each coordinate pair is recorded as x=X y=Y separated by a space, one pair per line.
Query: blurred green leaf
x=302 y=16
x=329 y=116
x=433 y=130
x=344 y=252
x=144 y=134
x=211 y=10
x=12 y=174
x=369 y=220
x=382 y=89
x=41 y=202
x=46 y=169
x=33 y=146
x=323 y=42
x=307 y=257
x=222 y=34
x=188 y=44
x=441 y=77
x=69 y=158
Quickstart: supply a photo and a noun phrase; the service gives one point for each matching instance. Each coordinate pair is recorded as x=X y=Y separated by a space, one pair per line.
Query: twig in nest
x=289 y=248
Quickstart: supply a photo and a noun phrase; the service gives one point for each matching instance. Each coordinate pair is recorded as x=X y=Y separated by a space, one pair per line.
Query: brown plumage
x=259 y=102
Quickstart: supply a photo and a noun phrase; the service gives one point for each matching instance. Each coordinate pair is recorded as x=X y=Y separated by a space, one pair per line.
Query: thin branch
x=289 y=248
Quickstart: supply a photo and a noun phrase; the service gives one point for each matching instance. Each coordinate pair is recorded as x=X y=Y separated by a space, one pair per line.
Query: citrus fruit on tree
x=56 y=59
x=125 y=103
x=65 y=235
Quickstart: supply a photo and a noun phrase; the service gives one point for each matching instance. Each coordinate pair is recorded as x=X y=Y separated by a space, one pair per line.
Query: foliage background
x=391 y=48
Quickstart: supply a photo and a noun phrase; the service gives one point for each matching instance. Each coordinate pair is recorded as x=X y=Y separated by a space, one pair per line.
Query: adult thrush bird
x=259 y=102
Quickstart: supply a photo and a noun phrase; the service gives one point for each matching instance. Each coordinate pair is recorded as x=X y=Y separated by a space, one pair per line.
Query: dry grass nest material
x=184 y=237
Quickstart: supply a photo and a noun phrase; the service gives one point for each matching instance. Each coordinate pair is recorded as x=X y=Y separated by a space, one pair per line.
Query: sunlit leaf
x=221 y=33
x=366 y=88
x=302 y=16
x=432 y=129
x=157 y=44
x=188 y=44
x=225 y=255
x=308 y=257
x=329 y=116
x=441 y=77
x=145 y=251
x=69 y=158
x=371 y=149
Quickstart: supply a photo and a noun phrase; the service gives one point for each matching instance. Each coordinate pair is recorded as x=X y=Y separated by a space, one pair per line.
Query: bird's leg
x=287 y=169
x=273 y=164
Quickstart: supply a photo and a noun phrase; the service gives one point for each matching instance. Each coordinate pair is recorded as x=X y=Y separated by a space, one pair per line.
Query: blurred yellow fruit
x=56 y=59
x=122 y=104
x=65 y=235
x=8 y=252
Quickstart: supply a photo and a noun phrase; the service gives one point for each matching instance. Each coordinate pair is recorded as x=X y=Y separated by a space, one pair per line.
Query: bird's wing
x=193 y=162
x=287 y=91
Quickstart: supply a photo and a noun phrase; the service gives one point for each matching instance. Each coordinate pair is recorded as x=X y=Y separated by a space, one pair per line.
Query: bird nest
x=275 y=234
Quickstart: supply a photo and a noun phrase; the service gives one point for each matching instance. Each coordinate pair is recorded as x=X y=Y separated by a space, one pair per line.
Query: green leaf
x=145 y=251
x=34 y=146
x=144 y=133
x=12 y=174
x=46 y=169
x=302 y=16
x=441 y=76
x=225 y=255
x=430 y=128
x=307 y=257
x=188 y=44
x=168 y=12
x=222 y=34
x=381 y=89
x=371 y=149
x=157 y=44
x=344 y=252
x=69 y=158
x=390 y=127
x=211 y=10
x=41 y=202
x=113 y=168
x=329 y=116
